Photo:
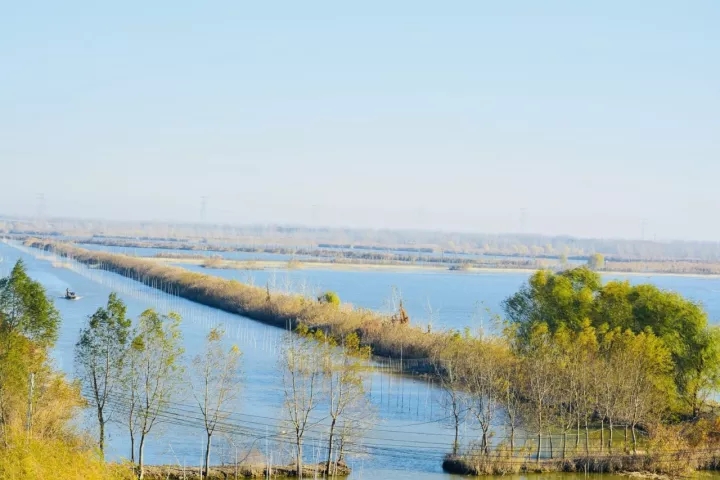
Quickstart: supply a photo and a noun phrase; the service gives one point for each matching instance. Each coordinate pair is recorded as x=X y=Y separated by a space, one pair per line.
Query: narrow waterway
x=408 y=440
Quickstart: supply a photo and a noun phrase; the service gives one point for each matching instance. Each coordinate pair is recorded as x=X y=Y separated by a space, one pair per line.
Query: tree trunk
x=577 y=437
x=132 y=447
x=551 y=444
x=626 y=442
x=602 y=434
x=207 y=455
x=512 y=441
x=537 y=457
x=610 y=441
x=141 y=457
x=330 y=445
x=298 y=458
x=564 y=444
x=457 y=432
x=101 y=439
x=587 y=439
x=634 y=438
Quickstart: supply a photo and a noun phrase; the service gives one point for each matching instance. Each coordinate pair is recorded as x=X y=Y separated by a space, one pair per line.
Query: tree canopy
x=575 y=298
x=25 y=308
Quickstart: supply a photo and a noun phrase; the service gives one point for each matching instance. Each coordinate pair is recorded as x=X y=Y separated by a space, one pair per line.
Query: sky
x=555 y=117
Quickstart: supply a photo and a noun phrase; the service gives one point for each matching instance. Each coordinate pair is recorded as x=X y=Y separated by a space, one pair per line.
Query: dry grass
x=57 y=458
x=387 y=338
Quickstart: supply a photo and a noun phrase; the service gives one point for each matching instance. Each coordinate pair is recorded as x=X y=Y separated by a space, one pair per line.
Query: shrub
x=329 y=297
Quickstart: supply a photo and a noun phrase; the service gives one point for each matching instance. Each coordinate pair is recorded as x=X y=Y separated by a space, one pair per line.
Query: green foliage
x=566 y=298
x=329 y=297
x=25 y=308
x=46 y=446
x=99 y=356
x=575 y=298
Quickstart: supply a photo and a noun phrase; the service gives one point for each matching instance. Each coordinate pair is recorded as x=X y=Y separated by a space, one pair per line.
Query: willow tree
x=646 y=379
x=29 y=326
x=99 y=357
x=26 y=309
x=570 y=298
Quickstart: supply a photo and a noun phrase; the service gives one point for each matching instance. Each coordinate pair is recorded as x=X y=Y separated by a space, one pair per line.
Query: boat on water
x=70 y=295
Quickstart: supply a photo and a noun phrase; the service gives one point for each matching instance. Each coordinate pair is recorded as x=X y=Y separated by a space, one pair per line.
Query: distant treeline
x=419 y=241
x=456 y=262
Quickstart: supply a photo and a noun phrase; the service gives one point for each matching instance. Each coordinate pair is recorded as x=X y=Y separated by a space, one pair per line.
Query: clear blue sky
x=452 y=115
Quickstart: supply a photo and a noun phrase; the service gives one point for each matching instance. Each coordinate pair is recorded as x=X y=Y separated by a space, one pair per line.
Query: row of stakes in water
x=387 y=390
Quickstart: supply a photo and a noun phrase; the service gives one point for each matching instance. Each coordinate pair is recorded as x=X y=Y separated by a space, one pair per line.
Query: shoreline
x=364 y=267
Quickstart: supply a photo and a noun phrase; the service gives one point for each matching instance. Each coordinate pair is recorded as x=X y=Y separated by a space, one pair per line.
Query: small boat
x=70 y=295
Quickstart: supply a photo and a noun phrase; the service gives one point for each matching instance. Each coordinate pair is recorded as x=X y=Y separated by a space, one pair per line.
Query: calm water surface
x=411 y=436
x=456 y=299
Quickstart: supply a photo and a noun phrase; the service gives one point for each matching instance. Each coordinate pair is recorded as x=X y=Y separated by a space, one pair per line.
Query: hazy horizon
x=563 y=118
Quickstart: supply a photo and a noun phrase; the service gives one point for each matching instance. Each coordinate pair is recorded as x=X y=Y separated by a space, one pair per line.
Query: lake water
x=409 y=440
x=446 y=299
x=411 y=436
x=457 y=299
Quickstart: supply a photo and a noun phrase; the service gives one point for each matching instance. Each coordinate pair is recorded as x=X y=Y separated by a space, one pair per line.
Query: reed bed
x=386 y=337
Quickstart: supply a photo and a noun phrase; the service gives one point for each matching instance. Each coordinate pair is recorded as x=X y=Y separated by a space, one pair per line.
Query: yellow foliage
x=65 y=458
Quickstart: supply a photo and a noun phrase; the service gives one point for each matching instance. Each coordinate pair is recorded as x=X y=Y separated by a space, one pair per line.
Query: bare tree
x=302 y=377
x=507 y=390
x=539 y=367
x=215 y=383
x=448 y=365
x=344 y=386
x=481 y=374
x=157 y=353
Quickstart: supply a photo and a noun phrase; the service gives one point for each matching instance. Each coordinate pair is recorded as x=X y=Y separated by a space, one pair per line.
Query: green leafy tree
x=571 y=298
x=565 y=298
x=701 y=377
x=646 y=377
x=26 y=309
x=99 y=357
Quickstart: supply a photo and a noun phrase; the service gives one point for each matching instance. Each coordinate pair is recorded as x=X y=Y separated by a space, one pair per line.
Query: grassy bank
x=386 y=337
x=673 y=464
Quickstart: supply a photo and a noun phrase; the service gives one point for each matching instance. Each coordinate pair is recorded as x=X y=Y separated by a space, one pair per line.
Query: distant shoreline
x=365 y=267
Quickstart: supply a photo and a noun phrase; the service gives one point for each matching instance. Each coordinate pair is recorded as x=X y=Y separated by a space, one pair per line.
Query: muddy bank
x=170 y=472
